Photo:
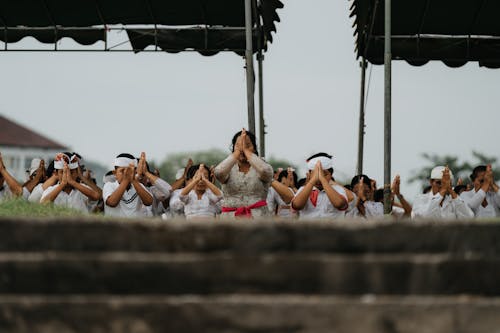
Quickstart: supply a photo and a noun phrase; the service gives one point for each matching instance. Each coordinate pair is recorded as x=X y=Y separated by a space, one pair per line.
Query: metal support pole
x=387 y=109
x=262 y=124
x=249 y=66
x=361 y=134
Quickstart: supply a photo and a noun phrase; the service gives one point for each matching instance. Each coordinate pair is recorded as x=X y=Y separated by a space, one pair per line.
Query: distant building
x=19 y=145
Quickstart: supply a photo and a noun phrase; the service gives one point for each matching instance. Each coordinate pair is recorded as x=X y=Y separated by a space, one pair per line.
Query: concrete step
x=274 y=273
x=248 y=313
x=94 y=235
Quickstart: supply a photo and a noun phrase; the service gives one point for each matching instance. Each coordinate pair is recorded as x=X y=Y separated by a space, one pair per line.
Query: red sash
x=244 y=211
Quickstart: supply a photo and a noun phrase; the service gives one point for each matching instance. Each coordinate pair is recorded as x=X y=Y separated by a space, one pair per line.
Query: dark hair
x=50 y=169
x=192 y=171
x=321 y=155
x=252 y=140
x=284 y=174
x=356 y=179
x=348 y=186
x=301 y=182
x=126 y=155
x=109 y=173
x=378 y=196
x=476 y=171
x=426 y=189
x=460 y=188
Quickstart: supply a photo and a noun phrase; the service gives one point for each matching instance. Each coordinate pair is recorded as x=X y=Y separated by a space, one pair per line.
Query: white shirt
x=429 y=206
x=161 y=191
x=74 y=199
x=130 y=204
x=204 y=207
x=36 y=194
x=276 y=204
x=372 y=210
x=324 y=207
x=176 y=206
x=475 y=200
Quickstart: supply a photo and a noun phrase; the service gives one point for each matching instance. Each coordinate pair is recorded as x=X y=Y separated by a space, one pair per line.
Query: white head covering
x=437 y=172
x=125 y=162
x=179 y=173
x=326 y=162
x=61 y=158
x=35 y=163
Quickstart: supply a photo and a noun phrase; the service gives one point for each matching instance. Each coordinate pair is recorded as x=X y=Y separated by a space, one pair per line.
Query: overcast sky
x=104 y=104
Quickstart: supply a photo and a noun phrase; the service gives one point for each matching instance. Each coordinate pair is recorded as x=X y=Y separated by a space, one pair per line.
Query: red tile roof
x=12 y=134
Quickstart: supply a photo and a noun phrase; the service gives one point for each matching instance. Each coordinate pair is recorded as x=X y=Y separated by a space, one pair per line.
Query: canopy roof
x=453 y=31
x=87 y=21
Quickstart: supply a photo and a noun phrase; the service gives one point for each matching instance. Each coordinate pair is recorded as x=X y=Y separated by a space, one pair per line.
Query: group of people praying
x=244 y=185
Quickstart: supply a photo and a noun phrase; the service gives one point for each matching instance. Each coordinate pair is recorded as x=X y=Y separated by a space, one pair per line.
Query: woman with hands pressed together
x=200 y=196
x=245 y=179
x=320 y=197
x=69 y=191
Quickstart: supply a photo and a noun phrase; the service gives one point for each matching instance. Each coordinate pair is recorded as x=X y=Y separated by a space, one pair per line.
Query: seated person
x=68 y=191
x=126 y=196
x=320 y=197
x=484 y=198
x=441 y=201
x=9 y=187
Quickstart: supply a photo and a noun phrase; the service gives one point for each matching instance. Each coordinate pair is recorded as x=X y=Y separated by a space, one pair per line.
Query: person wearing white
x=126 y=196
x=9 y=187
x=441 y=201
x=281 y=194
x=484 y=198
x=199 y=196
x=365 y=206
x=159 y=188
x=69 y=192
x=320 y=197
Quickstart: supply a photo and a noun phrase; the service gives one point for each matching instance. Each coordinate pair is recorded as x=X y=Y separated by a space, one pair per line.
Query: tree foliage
x=175 y=161
x=461 y=169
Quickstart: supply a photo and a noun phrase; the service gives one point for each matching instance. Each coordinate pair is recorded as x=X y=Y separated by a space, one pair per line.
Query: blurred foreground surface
x=95 y=275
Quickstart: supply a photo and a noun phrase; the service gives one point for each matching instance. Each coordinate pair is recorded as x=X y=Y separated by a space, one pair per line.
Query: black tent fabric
x=453 y=31
x=57 y=16
x=205 y=41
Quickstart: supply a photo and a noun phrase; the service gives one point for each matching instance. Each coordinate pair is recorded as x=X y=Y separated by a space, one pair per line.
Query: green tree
x=280 y=163
x=175 y=161
x=460 y=169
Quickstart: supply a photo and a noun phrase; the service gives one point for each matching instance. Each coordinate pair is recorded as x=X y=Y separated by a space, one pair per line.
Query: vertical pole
x=361 y=134
x=249 y=65
x=262 y=124
x=387 y=109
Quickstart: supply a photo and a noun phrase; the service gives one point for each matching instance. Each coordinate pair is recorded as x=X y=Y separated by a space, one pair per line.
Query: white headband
x=326 y=162
x=124 y=162
x=59 y=165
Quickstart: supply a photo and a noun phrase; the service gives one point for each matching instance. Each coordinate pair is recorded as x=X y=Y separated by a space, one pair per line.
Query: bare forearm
x=146 y=197
x=215 y=190
x=14 y=186
x=87 y=191
x=114 y=199
x=283 y=191
x=337 y=200
x=406 y=205
x=300 y=199
x=52 y=195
